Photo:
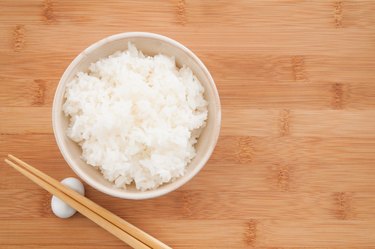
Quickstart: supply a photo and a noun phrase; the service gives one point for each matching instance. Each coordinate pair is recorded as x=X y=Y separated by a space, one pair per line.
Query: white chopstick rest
x=60 y=208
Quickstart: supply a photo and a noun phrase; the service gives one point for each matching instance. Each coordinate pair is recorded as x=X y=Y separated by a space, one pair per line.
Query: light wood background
x=295 y=163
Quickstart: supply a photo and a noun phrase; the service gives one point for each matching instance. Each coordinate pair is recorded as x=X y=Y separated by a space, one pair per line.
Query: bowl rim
x=81 y=173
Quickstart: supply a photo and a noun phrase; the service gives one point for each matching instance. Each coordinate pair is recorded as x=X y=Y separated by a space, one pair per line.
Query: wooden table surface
x=295 y=163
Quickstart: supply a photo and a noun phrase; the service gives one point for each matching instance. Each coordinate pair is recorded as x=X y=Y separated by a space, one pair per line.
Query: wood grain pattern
x=294 y=166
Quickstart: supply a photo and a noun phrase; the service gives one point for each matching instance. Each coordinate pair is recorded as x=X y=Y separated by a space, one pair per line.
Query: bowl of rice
x=136 y=115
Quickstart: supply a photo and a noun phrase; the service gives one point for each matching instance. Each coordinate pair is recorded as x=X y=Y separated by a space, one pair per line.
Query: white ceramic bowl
x=149 y=44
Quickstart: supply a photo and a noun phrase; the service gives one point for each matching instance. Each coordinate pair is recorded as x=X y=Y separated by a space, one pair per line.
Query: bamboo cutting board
x=295 y=163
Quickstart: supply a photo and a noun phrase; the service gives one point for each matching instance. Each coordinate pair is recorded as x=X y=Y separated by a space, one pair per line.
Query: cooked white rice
x=136 y=117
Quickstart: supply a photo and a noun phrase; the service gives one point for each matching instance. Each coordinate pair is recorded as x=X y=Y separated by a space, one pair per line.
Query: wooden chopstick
x=116 y=220
x=107 y=220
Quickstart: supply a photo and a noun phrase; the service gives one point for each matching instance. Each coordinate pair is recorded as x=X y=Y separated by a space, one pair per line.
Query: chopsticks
x=123 y=230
